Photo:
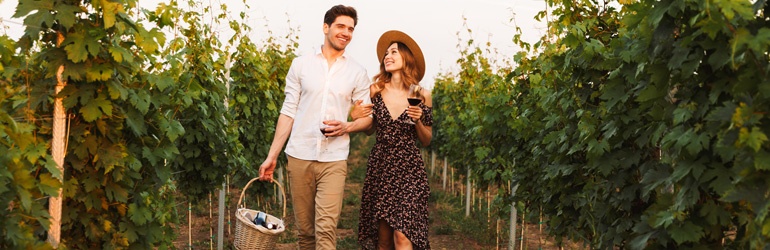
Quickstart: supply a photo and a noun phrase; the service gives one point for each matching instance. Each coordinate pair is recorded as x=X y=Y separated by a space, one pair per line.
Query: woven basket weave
x=251 y=236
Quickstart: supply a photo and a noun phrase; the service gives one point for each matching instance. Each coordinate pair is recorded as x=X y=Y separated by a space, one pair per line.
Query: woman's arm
x=360 y=110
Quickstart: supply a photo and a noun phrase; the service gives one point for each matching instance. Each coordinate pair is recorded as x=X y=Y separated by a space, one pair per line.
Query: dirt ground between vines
x=203 y=226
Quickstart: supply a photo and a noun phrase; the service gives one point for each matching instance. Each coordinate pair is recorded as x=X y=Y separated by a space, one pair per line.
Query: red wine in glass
x=413 y=97
x=323 y=127
x=414 y=101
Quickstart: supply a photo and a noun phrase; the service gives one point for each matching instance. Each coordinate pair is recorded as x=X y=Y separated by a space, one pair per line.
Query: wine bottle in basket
x=260 y=220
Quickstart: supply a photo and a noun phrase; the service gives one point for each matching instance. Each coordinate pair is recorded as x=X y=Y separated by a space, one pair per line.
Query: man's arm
x=339 y=128
x=361 y=107
x=282 y=131
x=283 y=126
x=358 y=125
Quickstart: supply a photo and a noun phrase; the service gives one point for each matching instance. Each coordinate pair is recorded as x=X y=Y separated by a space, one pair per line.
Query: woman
x=394 y=204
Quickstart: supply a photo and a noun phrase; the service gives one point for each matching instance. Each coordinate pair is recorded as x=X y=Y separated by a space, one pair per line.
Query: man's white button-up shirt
x=314 y=89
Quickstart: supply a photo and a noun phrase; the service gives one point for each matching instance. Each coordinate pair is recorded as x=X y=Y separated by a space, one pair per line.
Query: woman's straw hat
x=392 y=36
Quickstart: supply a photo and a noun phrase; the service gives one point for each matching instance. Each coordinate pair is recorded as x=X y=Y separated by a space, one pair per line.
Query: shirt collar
x=319 y=52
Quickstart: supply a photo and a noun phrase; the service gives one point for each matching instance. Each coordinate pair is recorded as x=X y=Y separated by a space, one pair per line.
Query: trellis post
x=468 y=193
x=221 y=210
x=443 y=175
x=512 y=241
x=58 y=151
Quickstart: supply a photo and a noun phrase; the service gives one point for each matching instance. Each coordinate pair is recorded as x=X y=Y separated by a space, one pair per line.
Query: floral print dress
x=396 y=184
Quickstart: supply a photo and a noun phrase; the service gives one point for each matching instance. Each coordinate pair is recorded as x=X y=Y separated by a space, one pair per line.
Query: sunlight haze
x=434 y=24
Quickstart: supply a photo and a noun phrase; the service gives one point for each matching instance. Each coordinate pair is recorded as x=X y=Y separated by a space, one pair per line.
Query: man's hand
x=360 y=110
x=335 y=128
x=266 y=170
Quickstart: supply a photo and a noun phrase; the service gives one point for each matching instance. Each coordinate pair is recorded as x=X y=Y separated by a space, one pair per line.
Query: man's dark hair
x=340 y=10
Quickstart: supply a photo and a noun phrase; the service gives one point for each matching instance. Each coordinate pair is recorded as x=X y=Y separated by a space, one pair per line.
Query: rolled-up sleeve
x=361 y=91
x=292 y=90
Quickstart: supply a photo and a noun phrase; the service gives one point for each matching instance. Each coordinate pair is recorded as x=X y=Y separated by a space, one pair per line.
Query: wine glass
x=413 y=97
x=323 y=127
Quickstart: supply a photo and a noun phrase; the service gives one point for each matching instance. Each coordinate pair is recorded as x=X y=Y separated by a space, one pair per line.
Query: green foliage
x=117 y=193
x=28 y=173
x=639 y=127
x=258 y=78
x=467 y=110
x=147 y=119
x=197 y=125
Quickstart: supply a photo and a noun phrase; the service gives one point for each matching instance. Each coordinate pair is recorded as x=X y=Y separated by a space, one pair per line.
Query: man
x=320 y=90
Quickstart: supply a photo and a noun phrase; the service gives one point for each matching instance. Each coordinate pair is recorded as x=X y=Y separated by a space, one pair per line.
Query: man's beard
x=335 y=46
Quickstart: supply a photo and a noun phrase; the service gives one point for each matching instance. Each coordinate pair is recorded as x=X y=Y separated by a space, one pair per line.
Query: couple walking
x=321 y=89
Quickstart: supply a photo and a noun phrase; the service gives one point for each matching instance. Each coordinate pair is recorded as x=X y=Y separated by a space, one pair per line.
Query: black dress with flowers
x=396 y=185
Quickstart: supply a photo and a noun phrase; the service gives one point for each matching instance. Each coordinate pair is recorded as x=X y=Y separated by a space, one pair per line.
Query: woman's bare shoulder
x=428 y=98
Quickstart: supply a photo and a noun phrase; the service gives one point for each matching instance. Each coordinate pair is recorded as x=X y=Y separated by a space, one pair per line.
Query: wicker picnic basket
x=251 y=236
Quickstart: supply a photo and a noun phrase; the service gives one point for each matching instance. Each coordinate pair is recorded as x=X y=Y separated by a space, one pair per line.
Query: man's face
x=339 y=34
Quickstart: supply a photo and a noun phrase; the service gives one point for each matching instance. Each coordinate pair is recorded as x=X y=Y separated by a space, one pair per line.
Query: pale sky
x=434 y=24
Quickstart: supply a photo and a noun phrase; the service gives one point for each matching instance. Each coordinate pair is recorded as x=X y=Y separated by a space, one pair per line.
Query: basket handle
x=283 y=194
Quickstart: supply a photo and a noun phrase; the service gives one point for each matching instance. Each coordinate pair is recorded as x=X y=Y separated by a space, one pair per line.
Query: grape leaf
x=687 y=232
x=95 y=108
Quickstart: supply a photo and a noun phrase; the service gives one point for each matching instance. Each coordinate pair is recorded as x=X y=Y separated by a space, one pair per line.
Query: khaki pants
x=317 y=189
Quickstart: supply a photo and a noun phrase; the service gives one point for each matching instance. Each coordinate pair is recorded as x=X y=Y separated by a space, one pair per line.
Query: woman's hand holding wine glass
x=414 y=97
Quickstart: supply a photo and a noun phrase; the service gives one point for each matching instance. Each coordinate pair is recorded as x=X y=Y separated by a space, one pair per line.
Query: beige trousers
x=317 y=189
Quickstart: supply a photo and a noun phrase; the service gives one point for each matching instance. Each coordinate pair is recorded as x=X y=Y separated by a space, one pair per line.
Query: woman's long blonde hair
x=408 y=72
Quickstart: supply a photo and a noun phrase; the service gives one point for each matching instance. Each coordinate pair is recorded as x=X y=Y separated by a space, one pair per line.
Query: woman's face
x=393 y=60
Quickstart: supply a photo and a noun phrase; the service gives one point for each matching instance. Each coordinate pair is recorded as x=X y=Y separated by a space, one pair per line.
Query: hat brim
x=391 y=36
